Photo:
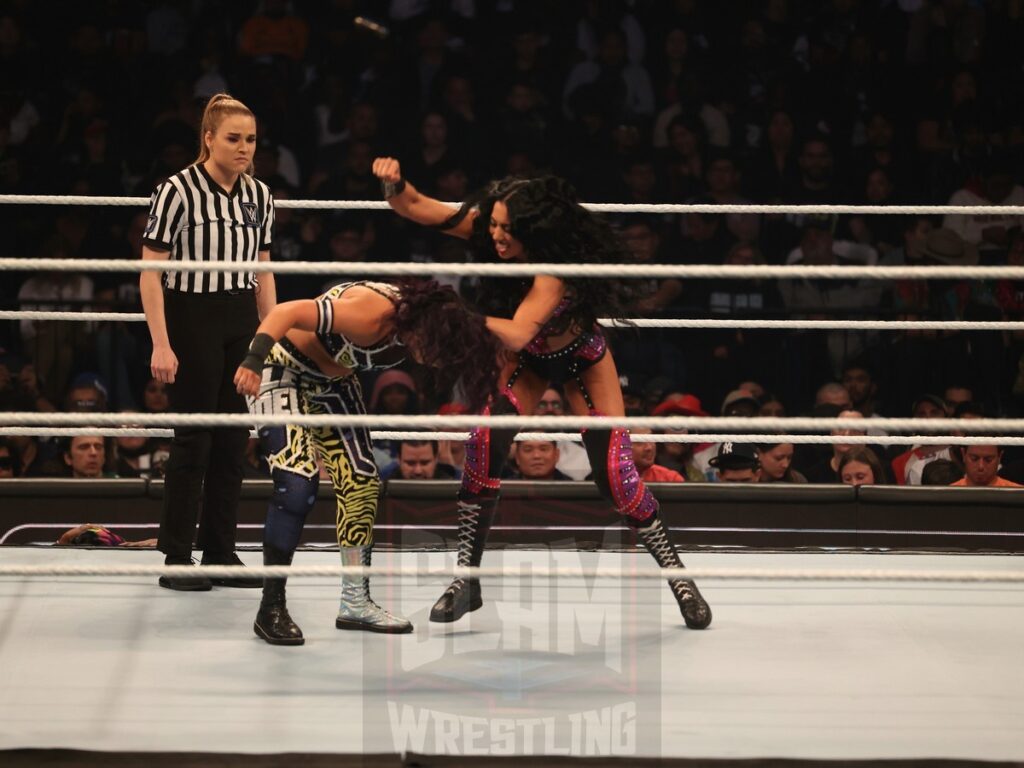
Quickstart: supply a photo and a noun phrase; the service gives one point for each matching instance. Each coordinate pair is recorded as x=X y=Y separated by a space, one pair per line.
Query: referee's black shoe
x=184 y=583
x=240 y=582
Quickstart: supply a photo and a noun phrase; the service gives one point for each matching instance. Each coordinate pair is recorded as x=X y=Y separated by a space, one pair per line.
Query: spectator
x=834 y=393
x=987 y=232
x=683 y=156
x=572 y=456
x=659 y=389
x=644 y=457
x=776 y=464
x=418 y=460
x=941 y=472
x=907 y=466
x=85 y=456
x=154 y=397
x=737 y=463
x=723 y=184
x=881 y=232
x=679 y=457
x=816 y=182
x=274 y=31
x=743 y=294
x=53 y=346
x=536 y=460
x=755 y=388
x=860 y=466
x=956 y=395
x=87 y=394
x=393 y=394
x=827 y=471
x=861 y=387
x=626 y=86
x=633 y=395
x=134 y=457
x=739 y=403
x=19 y=387
x=981 y=468
x=642 y=237
x=8 y=460
x=774 y=169
x=772 y=406
x=813 y=298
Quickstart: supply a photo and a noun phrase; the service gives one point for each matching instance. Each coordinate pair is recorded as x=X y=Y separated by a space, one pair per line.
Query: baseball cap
x=736 y=456
x=738 y=396
x=679 y=405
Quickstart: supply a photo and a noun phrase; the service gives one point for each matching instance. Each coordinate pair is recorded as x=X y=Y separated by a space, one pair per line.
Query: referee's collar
x=217 y=187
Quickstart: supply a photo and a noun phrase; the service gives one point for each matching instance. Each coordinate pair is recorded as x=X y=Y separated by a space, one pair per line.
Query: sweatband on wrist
x=391 y=188
x=259 y=348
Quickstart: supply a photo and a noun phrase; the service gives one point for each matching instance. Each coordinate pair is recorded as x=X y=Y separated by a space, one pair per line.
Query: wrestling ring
x=865 y=639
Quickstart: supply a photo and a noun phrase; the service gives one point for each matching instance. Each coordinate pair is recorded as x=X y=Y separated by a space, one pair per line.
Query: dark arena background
x=807 y=282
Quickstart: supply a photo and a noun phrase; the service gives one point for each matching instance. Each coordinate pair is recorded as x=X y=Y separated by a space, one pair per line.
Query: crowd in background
x=649 y=101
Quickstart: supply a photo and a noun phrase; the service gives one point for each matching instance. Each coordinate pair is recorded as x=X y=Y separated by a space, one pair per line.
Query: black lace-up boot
x=692 y=605
x=463 y=595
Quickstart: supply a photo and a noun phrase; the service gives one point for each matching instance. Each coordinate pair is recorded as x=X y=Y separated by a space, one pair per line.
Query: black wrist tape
x=391 y=188
x=259 y=348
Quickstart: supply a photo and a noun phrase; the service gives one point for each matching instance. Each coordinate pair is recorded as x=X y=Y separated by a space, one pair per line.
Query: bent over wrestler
x=303 y=360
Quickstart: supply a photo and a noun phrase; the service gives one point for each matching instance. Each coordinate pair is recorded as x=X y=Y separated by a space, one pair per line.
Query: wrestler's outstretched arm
x=410 y=204
x=533 y=312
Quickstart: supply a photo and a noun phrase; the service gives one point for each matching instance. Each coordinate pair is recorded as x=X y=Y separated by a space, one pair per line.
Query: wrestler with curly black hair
x=303 y=360
x=549 y=328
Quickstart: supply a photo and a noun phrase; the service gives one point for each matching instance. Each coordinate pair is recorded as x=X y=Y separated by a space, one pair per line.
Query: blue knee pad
x=290 y=505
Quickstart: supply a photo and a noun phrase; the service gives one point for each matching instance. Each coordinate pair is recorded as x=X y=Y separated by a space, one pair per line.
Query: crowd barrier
x=422 y=515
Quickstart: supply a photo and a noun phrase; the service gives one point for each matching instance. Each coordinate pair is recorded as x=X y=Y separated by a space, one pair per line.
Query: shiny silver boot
x=357 y=609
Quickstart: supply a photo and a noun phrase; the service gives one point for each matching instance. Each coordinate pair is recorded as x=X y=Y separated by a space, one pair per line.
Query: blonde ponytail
x=219 y=106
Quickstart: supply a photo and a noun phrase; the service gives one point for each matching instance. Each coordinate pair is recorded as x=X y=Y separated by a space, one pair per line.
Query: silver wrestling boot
x=357 y=609
x=696 y=612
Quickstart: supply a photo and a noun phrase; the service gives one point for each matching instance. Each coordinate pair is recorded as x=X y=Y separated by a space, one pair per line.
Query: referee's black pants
x=210 y=334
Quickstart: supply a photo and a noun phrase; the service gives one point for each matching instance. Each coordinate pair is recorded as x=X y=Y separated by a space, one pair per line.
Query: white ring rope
x=619 y=271
x=695 y=438
x=538 y=572
x=1012 y=210
x=852 y=325
x=39 y=314
x=769 y=424
x=863 y=325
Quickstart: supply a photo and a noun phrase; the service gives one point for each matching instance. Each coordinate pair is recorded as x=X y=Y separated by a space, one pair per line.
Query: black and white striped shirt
x=192 y=216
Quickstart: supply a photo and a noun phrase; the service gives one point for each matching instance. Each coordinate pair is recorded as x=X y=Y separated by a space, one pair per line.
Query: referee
x=201 y=324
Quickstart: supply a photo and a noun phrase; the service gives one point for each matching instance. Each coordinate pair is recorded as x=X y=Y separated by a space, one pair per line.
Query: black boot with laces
x=696 y=612
x=463 y=595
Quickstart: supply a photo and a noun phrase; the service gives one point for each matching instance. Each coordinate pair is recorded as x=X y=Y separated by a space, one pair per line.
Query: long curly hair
x=452 y=339
x=547 y=218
